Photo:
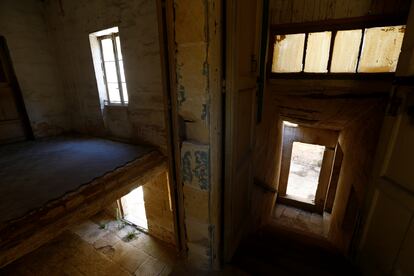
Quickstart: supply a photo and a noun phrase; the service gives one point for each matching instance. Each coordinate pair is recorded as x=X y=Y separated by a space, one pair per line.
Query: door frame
x=166 y=31
x=323 y=137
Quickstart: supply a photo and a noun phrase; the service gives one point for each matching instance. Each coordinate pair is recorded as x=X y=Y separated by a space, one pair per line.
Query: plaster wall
x=71 y=22
x=33 y=55
x=358 y=142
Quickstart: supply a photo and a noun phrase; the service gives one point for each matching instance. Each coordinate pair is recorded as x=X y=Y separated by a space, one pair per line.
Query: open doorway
x=133 y=208
x=306 y=186
x=148 y=208
x=305 y=168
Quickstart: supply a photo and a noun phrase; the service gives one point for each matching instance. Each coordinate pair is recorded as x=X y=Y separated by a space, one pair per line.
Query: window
x=109 y=66
x=364 y=50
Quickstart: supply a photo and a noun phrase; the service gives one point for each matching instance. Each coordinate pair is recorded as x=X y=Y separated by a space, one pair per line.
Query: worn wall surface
x=358 y=142
x=158 y=208
x=296 y=11
x=197 y=58
x=29 y=40
x=71 y=22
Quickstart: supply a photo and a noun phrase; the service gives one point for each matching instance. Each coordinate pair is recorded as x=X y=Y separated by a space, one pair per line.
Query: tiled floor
x=98 y=246
x=302 y=220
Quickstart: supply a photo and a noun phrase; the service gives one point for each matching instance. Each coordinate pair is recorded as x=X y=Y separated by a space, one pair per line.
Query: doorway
x=133 y=208
x=305 y=168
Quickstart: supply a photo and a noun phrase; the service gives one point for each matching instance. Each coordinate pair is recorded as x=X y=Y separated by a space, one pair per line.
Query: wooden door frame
x=307 y=135
x=166 y=31
x=18 y=96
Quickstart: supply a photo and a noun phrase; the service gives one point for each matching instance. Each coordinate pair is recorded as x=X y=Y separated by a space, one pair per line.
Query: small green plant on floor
x=131 y=236
x=103 y=226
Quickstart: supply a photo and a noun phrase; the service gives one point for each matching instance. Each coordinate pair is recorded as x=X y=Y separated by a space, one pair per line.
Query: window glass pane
x=113 y=90
x=108 y=50
x=345 y=51
x=110 y=70
x=317 y=52
x=121 y=70
x=118 y=47
x=381 y=49
x=288 y=53
x=125 y=92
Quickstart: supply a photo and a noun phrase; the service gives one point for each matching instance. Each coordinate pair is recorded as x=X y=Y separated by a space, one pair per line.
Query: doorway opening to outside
x=133 y=208
x=305 y=168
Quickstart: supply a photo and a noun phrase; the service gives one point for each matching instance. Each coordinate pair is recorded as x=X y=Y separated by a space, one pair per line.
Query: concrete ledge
x=25 y=234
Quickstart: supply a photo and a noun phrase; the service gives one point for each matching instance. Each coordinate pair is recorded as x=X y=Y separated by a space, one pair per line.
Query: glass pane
x=110 y=70
x=121 y=70
x=107 y=49
x=125 y=92
x=118 y=47
x=317 y=52
x=305 y=167
x=288 y=53
x=113 y=90
x=381 y=49
x=345 y=51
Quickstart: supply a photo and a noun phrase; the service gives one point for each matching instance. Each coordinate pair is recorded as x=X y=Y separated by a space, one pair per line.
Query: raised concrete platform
x=64 y=180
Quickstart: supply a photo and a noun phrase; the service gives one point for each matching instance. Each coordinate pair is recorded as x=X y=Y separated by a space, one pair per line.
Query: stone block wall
x=196 y=28
x=158 y=208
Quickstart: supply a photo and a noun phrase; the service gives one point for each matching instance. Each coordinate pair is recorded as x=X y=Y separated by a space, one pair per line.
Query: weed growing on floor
x=103 y=226
x=131 y=236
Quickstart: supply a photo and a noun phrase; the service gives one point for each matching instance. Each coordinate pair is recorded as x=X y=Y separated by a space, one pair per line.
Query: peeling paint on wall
x=181 y=90
x=195 y=163
x=204 y=113
x=201 y=169
x=186 y=167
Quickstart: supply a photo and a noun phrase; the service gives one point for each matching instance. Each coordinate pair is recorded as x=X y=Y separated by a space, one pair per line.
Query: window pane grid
x=369 y=50
x=113 y=70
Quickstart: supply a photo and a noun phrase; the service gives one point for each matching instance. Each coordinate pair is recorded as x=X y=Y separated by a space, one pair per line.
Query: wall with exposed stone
x=197 y=60
x=158 y=208
x=71 y=22
x=28 y=37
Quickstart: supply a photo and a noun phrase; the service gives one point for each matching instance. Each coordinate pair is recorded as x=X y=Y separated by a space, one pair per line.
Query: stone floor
x=302 y=220
x=98 y=246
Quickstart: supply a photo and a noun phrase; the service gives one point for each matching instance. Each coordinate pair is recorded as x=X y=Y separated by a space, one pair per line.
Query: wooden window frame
x=113 y=37
x=333 y=26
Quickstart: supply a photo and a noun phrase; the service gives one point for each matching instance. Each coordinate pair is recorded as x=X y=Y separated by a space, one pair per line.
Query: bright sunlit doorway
x=305 y=168
x=133 y=208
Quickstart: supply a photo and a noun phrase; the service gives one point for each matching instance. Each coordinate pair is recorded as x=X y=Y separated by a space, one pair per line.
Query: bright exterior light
x=286 y=123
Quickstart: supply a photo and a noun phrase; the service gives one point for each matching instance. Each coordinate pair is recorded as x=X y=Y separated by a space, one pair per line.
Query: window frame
x=333 y=26
x=113 y=37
